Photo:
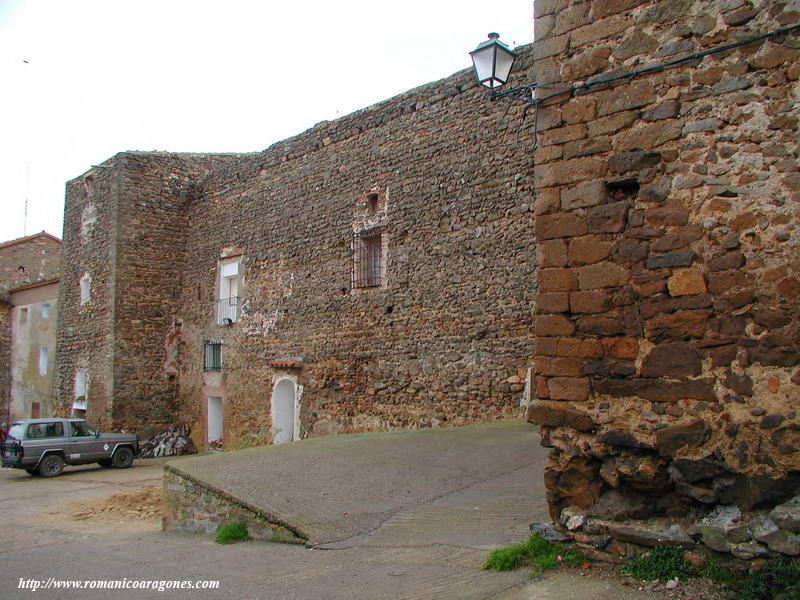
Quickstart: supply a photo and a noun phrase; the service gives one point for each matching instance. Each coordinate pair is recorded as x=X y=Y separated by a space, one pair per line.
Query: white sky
x=103 y=76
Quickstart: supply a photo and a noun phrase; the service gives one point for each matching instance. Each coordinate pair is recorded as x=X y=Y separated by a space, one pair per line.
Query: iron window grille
x=367 y=250
x=212 y=356
x=228 y=308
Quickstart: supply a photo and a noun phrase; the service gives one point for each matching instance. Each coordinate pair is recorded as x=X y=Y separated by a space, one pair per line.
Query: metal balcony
x=228 y=310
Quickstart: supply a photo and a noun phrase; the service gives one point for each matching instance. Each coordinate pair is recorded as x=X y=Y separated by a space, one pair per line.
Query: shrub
x=229 y=533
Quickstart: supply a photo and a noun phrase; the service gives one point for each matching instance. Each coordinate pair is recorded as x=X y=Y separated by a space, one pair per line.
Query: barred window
x=368 y=267
x=212 y=356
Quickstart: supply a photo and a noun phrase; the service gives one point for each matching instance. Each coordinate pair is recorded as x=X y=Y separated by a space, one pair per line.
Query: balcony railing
x=228 y=308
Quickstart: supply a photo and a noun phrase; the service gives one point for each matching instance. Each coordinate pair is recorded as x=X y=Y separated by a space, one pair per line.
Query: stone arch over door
x=285 y=410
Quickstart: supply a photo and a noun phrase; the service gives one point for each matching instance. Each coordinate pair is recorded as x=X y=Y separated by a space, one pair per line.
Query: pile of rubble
x=748 y=536
x=173 y=441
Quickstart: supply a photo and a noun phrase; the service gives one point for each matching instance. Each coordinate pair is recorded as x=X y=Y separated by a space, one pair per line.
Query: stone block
x=585 y=64
x=557 y=280
x=586 y=147
x=633 y=161
x=588 y=250
x=692 y=433
x=567 y=172
x=702 y=126
x=672 y=359
x=686 y=282
x=557 y=302
x=599 y=29
x=621 y=347
x=579 y=110
x=553 y=253
x=626 y=97
x=739 y=16
x=560 y=225
x=665 y=110
x=548 y=200
x=601 y=326
x=628 y=251
x=602 y=275
x=667 y=216
x=612 y=124
x=677 y=239
x=545 y=47
x=635 y=43
x=558 y=366
x=584 y=195
x=607 y=218
x=656 y=390
x=729 y=260
x=679 y=325
x=609 y=367
x=553 y=325
x=671 y=260
x=560 y=414
x=589 y=302
x=652 y=135
x=572 y=17
x=574 y=389
x=561 y=135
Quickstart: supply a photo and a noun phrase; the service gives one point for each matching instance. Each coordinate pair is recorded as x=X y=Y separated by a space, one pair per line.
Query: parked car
x=44 y=446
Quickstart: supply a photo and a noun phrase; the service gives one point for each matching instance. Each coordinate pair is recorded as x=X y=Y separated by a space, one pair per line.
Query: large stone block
x=553 y=326
x=626 y=97
x=557 y=280
x=588 y=250
x=602 y=275
x=560 y=225
x=672 y=359
x=566 y=172
x=584 y=195
x=560 y=414
x=656 y=390
x=608 y=218
x=575 y=389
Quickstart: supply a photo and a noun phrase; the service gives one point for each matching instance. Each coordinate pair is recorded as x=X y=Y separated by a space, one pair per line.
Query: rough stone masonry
x=380 y=269
x=667 y=212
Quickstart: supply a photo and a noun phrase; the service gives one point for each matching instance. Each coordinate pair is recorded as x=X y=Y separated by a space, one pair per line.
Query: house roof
x=28 y=238
x=35 y=284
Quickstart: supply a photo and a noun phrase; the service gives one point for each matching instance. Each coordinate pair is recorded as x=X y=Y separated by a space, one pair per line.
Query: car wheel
x=122 y=459
x=32 y=471
x=106 y=462
x=51 y=466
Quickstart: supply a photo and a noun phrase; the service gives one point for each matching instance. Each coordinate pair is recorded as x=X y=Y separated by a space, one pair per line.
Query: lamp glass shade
x=493 y=61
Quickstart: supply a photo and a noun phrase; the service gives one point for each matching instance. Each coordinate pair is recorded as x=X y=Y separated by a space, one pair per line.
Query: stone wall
x=667 y=328
x=22 y=261
x=195 y=508
x=444 y=339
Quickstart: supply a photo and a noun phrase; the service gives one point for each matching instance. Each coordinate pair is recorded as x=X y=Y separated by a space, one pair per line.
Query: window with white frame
x=43 y=360
x=46 y=310
x=228 y=298
x=86 y=288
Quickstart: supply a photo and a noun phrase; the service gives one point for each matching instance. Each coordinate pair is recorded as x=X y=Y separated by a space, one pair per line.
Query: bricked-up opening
x=86 y=288
x=368 y=263
x=212 y=356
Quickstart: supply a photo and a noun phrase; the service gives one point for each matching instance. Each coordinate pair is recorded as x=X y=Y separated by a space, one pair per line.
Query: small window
x=212 y=356
x=46 y=310
x=368 y=267
x=372 y=203
x=86 y=288
x=43 y=361
x=45 y=430
x=23 y=316
x=36 y=410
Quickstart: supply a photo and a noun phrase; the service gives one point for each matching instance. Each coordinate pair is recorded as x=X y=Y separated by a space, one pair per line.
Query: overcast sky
x=85 y=79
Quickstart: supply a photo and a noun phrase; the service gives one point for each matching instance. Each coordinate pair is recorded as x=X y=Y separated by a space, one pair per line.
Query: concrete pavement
x=485 y=479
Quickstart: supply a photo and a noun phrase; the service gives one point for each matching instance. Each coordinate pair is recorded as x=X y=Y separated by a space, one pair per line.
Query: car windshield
x=16 y=431
x=80 y=429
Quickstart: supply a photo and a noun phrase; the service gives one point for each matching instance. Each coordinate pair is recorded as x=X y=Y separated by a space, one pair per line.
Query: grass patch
x=778 y=579
x=229 y=533
x=536 y=552
x=662 y=563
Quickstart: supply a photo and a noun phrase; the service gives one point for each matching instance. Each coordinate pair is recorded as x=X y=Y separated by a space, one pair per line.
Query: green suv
x=44 y=446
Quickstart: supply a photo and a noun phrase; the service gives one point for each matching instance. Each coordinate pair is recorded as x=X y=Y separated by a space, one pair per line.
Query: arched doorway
x=283 y=411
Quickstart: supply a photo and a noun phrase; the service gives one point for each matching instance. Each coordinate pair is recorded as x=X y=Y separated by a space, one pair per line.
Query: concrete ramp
x=432 y=483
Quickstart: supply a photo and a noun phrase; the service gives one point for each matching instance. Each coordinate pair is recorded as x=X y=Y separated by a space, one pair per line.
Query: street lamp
x=493 y=61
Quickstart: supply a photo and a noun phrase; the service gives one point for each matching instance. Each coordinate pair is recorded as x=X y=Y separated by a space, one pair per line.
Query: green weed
x=229 y=533
x=778 y=579
x=662 y=563
x=536 y=552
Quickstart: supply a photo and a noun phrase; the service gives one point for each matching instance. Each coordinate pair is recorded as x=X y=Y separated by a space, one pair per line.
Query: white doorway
x=214 y=419
x=283 y=411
